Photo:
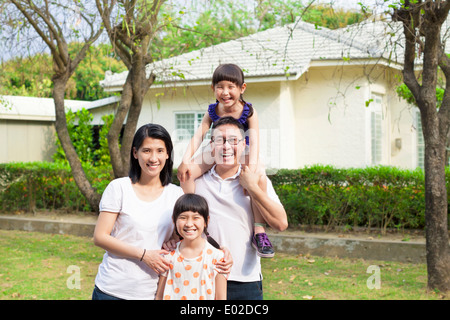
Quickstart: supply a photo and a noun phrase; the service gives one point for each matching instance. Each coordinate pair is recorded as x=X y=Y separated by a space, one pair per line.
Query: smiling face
x=228 y=144
x=190 y=225
x=152 y=156
x=228 y=93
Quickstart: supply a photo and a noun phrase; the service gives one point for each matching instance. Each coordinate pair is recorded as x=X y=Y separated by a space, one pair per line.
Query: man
x=231 y=222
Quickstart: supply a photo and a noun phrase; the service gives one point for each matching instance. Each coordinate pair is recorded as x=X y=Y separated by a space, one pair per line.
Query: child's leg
x=260 y=240
x=260 y=223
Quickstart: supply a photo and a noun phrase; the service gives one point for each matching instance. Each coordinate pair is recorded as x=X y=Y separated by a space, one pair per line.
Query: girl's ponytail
x=211 y=240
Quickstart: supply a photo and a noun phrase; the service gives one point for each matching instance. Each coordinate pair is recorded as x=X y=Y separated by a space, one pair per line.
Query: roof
x=279 y=53
x=43 y=109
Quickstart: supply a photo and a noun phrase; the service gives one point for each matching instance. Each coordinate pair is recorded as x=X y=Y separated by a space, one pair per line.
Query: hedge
x=375 y=197
x=46 y=186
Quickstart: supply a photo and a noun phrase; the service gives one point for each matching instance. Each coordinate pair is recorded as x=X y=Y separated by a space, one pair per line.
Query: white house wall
x=333 y=122
x=404 y=129
x=25 y=141
x=330 y=116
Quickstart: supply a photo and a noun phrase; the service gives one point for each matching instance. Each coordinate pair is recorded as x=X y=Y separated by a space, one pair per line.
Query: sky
x=380 y=5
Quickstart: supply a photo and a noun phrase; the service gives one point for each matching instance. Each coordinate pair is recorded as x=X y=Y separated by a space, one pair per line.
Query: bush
x=380 y=197
x=46 y=186
x=377 y=197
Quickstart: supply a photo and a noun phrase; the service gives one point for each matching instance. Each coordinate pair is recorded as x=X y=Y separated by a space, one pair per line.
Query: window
x=420 y=142
x=376 y=129
x=186 y=123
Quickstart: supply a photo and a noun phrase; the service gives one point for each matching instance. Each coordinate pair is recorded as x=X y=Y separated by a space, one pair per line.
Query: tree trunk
x=117 y=160
x=422 y=28
x=134 y=90
x=436 y=206
x=78 y=173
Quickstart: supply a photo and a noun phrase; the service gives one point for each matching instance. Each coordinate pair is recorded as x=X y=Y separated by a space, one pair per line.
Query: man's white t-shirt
x=231 y=221
x=139 y=223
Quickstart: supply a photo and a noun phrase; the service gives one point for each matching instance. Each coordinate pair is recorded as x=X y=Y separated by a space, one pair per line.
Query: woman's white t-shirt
x=142 y=224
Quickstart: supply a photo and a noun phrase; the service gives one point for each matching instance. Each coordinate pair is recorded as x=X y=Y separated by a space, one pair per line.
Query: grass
x=40 y=266
x=305 y=278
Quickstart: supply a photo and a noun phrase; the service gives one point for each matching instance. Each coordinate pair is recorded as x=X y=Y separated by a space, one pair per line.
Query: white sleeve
x=112 y=197
x=271 y=192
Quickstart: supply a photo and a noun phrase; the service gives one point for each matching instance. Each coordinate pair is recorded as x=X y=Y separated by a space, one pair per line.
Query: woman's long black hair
x=154 y=131
x=194 y=203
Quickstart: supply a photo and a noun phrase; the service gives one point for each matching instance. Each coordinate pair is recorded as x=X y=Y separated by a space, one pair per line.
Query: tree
x=52 y=23
x=422 y=24
x=131 y=27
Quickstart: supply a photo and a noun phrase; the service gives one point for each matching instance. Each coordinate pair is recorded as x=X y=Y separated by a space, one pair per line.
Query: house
x=323 y=96
x=27 y=131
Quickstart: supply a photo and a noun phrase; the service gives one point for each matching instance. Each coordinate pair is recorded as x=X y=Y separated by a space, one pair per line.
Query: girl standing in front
x=192 y=271
x=229 y=86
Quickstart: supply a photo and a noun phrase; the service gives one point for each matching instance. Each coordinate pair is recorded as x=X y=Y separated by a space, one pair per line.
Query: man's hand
x=249 y=179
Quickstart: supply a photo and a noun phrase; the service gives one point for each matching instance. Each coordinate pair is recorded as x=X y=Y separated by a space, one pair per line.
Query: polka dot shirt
x=192 y=279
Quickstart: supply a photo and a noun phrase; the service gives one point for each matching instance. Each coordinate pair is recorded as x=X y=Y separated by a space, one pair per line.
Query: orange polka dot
x=186 y=282
x=209 y=251
x=177 y=290
x=172 y=253
x=210 y=275
x=205 y=266
x=171 y=266
x=209 y=291
x=194 y=290
x=214 y=261
x=188 y=267
x=183 y=298
x=196 y=274
x=170 y=281
x=180 y=259
x=178 y=275
x=201 y=298
x=203 y=282
x=199 y=258
x=167 y=297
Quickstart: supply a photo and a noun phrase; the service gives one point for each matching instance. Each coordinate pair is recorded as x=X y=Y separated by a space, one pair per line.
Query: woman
x=135 y=220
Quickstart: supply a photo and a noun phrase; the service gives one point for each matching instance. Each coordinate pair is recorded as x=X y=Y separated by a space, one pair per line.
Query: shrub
x=46 y=186
x=376 y=197
x=381 y=197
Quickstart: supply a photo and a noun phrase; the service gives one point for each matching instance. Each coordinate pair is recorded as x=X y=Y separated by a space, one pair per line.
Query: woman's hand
x=226 y=263
x=155 y=260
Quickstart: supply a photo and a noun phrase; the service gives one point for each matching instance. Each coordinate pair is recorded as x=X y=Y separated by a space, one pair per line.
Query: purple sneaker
x=262 y=245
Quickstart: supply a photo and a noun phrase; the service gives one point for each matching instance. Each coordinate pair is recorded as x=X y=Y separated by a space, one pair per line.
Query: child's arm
x=184 y=170
x=161 y=286
x=253 y=132
x=221 y=287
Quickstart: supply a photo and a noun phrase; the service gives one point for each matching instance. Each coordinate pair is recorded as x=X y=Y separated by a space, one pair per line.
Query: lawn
x=62 y=267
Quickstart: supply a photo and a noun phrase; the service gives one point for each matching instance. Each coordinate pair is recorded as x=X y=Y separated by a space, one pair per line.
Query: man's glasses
x=220 y=140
